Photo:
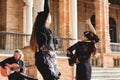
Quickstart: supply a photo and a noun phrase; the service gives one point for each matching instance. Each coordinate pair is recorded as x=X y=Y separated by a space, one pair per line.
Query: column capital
x=29 y=2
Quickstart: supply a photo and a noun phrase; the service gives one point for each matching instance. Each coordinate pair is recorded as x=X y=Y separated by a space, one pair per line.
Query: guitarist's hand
x=12 y=67
x=8 y=65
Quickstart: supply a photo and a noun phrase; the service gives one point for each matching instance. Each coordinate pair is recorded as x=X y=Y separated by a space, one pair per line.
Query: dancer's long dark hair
x=93 y=38
x=33 y=40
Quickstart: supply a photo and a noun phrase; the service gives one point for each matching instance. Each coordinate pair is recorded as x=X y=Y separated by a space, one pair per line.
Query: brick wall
x=2 y=14
x=14 y=15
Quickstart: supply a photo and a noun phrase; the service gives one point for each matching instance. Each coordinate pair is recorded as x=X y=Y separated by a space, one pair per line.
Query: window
x=93 y=21
x=112 y=29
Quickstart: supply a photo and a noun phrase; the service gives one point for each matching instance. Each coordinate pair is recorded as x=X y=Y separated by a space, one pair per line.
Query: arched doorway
x=93 y=21
x=112 y=29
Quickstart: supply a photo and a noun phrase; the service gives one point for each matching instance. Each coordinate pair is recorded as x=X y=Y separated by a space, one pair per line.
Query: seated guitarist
x=14 y=67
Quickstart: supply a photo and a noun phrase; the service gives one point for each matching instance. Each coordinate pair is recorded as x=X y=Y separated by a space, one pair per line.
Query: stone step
x=106 y=79
x=102 y=68
x=99 y=73
x=106 y=74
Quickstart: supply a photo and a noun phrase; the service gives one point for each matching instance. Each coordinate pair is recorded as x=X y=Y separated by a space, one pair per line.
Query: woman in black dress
x=83 y=51
x=42 y=40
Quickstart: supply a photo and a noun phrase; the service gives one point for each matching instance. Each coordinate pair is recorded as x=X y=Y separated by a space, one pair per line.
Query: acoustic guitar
x=5 y=72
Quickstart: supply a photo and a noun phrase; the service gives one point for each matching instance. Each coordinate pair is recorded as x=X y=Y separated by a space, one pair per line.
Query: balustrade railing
x=95 y=62
x=10 y=41
x=115 y=47
x=116 y=62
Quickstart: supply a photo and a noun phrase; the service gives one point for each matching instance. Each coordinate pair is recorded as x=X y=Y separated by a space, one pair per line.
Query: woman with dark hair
x=83 y=51
x=43 y=43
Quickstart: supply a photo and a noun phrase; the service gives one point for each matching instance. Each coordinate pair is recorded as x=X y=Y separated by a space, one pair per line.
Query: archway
x=93 y=21
x=112 y=29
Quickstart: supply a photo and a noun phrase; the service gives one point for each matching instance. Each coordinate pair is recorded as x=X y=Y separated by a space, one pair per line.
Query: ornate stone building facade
x=68 y=23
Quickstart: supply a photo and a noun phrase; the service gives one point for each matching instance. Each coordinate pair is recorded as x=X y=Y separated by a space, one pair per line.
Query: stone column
x=63 y=18
x=64 y=23
x=102 y=29
x=29 y=11
x=73 y=26
x=73 y=20
x=28 y=54
x=81 y=20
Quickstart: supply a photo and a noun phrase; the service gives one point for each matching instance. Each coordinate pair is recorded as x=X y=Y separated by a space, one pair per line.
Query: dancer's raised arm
x=46 y=7
x=39 y=26
x=42 y=16
x=91 y=26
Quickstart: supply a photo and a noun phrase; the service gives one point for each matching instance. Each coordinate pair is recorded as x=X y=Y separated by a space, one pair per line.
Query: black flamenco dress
x=83 y=51
x=44 y=36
